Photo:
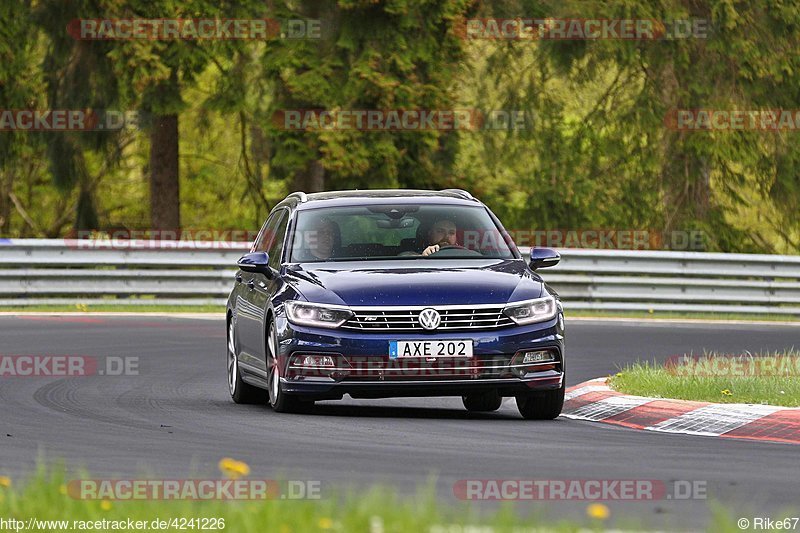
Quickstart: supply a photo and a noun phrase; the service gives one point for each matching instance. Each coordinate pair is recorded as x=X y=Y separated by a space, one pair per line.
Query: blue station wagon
x=393 y=293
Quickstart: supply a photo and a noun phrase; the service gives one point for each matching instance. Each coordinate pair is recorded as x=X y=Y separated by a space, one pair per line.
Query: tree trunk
x=6 y=181
x=165 y=206
x=86 y=214
x=316 y=177
x=311 y=179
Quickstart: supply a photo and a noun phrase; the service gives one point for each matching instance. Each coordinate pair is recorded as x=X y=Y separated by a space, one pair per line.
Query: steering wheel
x=454 y=250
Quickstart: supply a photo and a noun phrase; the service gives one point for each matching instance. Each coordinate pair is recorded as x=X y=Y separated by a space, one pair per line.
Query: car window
x=385 y=231
x=264 y=238
x=366 y=228
x=276 y=246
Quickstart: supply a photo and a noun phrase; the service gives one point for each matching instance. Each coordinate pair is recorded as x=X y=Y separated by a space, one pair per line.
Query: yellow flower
x=233 y=469
x=325 y=523
x=63 y=489
x=726 y=392
x=105 y=505
x=5 y=481
x=598 y=511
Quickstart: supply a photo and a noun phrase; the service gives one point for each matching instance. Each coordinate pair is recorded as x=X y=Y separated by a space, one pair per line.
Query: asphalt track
x=175 y=419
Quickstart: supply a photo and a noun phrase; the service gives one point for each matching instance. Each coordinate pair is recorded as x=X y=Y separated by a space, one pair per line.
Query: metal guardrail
x=41 y=272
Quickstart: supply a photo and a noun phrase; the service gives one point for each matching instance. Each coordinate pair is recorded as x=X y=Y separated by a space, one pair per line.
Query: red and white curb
x=594 y=400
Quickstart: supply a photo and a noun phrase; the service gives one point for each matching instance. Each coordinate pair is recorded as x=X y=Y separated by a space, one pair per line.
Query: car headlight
x=531 y=311
x=323 y=316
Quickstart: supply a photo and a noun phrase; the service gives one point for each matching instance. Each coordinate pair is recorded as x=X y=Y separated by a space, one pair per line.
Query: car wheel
x=482 y=401
x=541 y=405
x=241 y=392
x=279 y=400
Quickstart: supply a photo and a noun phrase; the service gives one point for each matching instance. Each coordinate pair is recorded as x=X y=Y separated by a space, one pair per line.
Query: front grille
x=407 y=319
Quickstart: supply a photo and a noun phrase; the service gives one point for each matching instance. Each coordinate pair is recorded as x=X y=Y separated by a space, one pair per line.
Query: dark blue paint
x=394 y=282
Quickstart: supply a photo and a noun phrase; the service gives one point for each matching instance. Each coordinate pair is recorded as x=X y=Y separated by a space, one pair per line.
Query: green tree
x=78 y=75
x=598 y=152
x=394 y=54
x=19 y=88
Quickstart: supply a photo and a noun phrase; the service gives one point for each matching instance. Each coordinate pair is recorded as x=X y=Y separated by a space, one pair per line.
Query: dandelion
x=5 y=481
x=726 y=392
x=233 y=469
x=105 y=505
x=598 y=511
x=325 y=523
x=376 y=524
x=63 y=489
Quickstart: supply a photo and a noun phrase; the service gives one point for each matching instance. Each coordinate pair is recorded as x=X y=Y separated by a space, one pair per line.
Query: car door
x=247 y=310
x=264 y=288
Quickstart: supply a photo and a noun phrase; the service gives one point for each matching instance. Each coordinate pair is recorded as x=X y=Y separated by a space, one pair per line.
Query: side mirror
x=257 y=262
x=543 y=258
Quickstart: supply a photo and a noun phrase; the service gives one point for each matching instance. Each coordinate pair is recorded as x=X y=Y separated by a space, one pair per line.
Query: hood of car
x=416 y=282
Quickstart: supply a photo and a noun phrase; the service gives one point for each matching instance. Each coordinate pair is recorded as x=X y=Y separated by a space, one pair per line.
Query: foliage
x=595 y=152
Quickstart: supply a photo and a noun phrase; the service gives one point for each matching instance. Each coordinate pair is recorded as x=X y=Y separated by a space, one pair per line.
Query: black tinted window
x=264 y=238
x=276 y=246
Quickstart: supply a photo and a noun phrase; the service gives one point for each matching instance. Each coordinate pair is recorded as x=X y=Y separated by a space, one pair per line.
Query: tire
x=279 y=400
x=240 y=391
x=482 y=401
x=541 y=405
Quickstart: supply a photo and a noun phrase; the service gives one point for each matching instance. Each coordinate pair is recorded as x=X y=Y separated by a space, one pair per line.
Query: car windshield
x=426 y=232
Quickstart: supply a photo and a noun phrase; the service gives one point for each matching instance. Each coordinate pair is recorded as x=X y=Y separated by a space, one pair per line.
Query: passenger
x=321 y=241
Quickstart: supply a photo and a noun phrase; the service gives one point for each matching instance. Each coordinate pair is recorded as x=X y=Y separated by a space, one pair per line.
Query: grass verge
x=45 y=503
x=770 y=379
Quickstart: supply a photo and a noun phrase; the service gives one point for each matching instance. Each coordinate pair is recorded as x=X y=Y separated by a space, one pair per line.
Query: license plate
x=428 y=349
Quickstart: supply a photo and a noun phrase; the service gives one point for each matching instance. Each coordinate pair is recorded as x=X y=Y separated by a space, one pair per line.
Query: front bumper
x=363 y=368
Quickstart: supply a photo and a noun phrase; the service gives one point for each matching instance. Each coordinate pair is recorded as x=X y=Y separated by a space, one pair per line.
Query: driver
x=442 y=233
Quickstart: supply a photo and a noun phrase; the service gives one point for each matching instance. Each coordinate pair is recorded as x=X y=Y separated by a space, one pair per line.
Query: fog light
x=537 y=357
x=316 y=360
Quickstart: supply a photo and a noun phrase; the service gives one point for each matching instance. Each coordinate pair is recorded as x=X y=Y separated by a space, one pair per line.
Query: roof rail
x=461 y=192
x=299 y=194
